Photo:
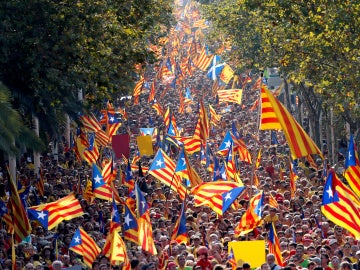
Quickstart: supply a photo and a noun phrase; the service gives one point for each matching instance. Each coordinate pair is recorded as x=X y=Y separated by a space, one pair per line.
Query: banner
x=145 y=145
x=251 y=252
x=121 y=145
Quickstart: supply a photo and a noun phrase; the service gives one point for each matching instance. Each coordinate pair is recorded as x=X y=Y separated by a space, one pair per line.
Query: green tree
x=14 y=134
x=50 y=50
x=315 y=44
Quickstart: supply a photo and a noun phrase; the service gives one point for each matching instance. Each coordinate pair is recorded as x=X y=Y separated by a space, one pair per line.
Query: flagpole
x=13 y=253
x=254 y=156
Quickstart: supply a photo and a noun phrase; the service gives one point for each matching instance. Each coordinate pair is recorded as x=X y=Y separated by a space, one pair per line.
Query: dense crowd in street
x=307 y=239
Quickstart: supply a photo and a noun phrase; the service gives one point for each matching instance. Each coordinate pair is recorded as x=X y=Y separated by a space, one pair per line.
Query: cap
x=195 y=236
x=171 y=264
x=279 y=198
x=307 y=237
x=310 y=247
x=332 y=241
x=316 y=260
x=37 y=263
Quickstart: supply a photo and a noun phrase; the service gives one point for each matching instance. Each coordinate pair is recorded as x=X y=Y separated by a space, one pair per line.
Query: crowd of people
x=307 y=239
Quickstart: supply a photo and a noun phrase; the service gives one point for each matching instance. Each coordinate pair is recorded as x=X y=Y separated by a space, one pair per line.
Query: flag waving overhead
x=275 y=116
x=141 y=203
x=352 y=167
x=230 y=196
x=101 y=190
x=85 y=246
x=130 y=225
x=252 y=217
x=274 y=245
x=163 y=169
x=91 y=154
x=202 y=128
x=17 y=211
x=180 y=232
x=230 y=95
x=65 y=208
x=115 y=249
x=340 y=205
x=185 y=170
x=210 y=194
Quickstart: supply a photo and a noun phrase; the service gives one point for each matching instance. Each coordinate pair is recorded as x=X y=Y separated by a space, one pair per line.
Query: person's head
x=300 y=250
x=56 y=265
x=134 y=264
x=29 y=266
x=270 y=259
x=103 y=266
x=316 y=261
x=196 y=240
x=202 y=252
x=346 y=266
x=265 y=266
x=311 y=266
x=324 y=260
x=246 y=266
x=335 y=261
x=181 y=260
x=310 y=250
x=357 y=255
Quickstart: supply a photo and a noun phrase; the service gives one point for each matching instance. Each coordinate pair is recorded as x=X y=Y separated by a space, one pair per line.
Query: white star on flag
x=97 y=179
x=184 y=161
x=228 y=196
x=41 y=215
x=159 y=163
x=227 y=144
x=330 y=192
x=128 y=220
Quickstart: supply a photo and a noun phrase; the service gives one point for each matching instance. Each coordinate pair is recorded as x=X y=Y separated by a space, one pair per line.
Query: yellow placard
x=251 y=252
x=145 y=145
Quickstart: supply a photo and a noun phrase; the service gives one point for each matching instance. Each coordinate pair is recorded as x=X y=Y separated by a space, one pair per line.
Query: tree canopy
x=51 y=50
x=314 y=44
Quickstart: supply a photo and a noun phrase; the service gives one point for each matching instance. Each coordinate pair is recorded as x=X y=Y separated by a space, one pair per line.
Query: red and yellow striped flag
x=84 y=245
x=163 y=169
x=202 y=129
x=203 y=61
x=210 y=194
x=274 y=245
x=138 y=88
x=252 y=218
x=65 y=208
x=275 y=116
x=20 y=220
x=146 y=235
x=230 y=95
x=214 y=117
